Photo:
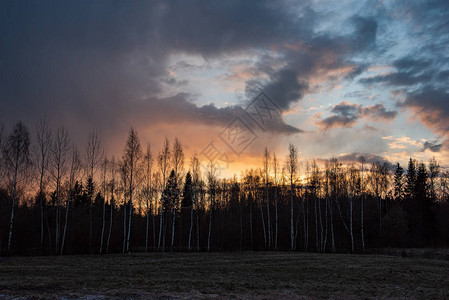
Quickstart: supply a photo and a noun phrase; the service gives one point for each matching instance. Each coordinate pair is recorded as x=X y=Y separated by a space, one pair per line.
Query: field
x=224 y=275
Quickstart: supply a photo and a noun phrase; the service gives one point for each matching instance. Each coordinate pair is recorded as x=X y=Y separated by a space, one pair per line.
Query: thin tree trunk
x=147 y=231
x=173 y=227
x=263 y=225
x=332 y=226
x=241 y=227
x=48 y=229
x=90 y=222
x=380 y=215
x=42 y=218
x=103 y=224
x=130 y=213
x=57 y=217
x=316 y=224
x=251 y=223
x=11 y=220
x=362 y=222
x=292 y=235
x=124 y=227
x=306 y=225
x=277 y=217
x=210 y=228
x=161 y=220
x=296 y=232
x=111 y=204
x=350 y=225
x=154 y=223
x=268 y=222
x=66 y=220
x=326 y=224
x=197 y=227
x=191 y=228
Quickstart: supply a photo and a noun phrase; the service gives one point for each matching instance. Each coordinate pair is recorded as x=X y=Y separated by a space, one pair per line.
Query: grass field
x=224 y=275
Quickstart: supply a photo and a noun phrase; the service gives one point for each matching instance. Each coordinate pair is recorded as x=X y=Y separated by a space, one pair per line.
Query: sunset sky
x=347 y=77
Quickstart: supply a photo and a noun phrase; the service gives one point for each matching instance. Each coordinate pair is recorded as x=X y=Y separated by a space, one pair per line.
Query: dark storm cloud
x=378 y=112
x=433 y=146
x=92 y=63
x=409 y=71
x=89 y=59
x=347 y=114
x=431 y=105
x=365 y=32
x=315 y=55
x=368 y=158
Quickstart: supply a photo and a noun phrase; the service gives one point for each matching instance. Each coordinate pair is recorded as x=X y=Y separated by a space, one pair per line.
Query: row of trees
x=55 y=199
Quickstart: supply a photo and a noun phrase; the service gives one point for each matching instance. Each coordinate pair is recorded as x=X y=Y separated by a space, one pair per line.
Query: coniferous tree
x=399 y=183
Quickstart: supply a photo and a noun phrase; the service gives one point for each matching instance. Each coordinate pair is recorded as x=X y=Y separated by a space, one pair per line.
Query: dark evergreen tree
x=187 y=194
x=411 y=180
x=171 y=192
x=399 y=183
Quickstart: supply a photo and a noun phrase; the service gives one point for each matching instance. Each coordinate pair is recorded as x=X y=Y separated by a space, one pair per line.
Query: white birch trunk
x=66 y=220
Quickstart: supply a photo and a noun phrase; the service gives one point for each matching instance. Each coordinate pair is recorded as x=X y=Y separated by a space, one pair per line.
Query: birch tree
x=266 y=163
x=16 y=157
x=103 y=216
x=59 y=151
x=212 y=190
x=292 y=167
x=131 y=159
x=94 y=156
x=42 y=155
x=163 y=162
x=148 y=161
x=75 y=168
x=112 y=169
x=362 y=161
x=276 y=188
x=178 y=165
x=189 y=192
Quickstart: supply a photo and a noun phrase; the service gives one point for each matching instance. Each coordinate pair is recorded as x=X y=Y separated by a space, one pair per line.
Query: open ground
x=224 y=275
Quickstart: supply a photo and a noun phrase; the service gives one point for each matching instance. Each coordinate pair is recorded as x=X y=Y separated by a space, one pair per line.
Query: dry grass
x=224 y=275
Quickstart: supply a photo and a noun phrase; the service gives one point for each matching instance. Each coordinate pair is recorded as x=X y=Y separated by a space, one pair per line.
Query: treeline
x=57 y=199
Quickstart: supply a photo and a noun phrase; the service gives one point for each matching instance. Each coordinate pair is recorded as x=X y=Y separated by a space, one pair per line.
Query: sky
x=341 y=78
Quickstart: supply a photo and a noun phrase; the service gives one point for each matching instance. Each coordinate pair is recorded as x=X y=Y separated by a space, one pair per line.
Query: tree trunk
x=161 y=222
x=362 y=222
x=90 y=223
x=380 y=215
x=147 y=228
x=316 y=224
x=326 y=224
x=191 y=228
x=292 y=231
x=277 y=218
x=103 y=224
x=210 y=228
x=124 y=227
x=268 y=221
x=251 y=224
x=263 y=225
x=197 y=228
x=350 y=225
x=11 y=220
x=66 y=220
x=332 y=226
x=173 y=227
x=130 y=213
x=42 y=218
x=111 y=204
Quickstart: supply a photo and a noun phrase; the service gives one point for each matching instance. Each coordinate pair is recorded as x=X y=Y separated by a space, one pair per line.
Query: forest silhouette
x=56 y=198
